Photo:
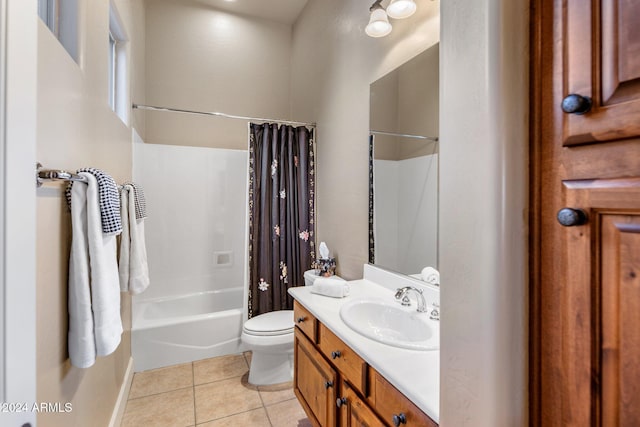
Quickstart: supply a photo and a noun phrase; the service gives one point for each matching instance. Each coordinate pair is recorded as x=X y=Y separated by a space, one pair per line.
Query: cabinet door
x=314 y=382
x=602 y=61
x=584 y=340
x=353 y=411
x=602 y=295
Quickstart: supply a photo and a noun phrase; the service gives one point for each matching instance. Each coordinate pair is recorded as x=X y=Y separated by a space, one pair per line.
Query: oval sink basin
x=392 y=324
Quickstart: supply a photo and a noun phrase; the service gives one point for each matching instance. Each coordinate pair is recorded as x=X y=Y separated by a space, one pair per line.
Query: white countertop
x=415 y=373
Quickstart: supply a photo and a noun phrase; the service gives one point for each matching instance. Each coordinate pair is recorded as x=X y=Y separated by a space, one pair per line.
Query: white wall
x=483 y=206
x=406 y=213
x=205 y=59
x=196 y=201
x=18 y=76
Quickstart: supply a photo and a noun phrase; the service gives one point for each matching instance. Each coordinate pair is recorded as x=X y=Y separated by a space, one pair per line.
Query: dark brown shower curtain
x=281 y=213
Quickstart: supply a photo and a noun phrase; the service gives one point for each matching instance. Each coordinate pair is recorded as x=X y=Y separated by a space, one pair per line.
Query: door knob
x=399 y=419
x=576 y=104
x=300 y=319
x=341 y=401
x=335 y=354
x=328 y=384
x=570 y=217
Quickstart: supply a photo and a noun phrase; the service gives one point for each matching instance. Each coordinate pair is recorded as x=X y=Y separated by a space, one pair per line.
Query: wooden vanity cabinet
x=336 y=387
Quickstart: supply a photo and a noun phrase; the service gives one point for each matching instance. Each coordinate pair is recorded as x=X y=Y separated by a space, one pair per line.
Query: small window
x=61 y=16
x=117 y=65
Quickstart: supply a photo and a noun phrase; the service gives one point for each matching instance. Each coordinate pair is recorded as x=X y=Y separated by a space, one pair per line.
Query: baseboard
x=121 y=403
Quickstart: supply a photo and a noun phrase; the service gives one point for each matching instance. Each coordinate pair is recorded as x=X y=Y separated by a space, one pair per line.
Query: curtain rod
x=215 y=113
x=406 y=135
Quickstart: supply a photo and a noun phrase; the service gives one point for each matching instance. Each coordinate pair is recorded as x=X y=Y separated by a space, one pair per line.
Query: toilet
x=270 y=338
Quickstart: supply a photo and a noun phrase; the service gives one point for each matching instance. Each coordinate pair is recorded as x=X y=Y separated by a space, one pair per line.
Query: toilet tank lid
x=275 y=321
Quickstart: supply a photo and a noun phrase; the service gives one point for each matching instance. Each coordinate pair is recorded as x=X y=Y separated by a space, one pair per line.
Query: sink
x=392 y=324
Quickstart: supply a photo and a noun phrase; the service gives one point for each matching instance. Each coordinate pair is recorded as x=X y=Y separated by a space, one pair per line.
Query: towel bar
x=52 y=174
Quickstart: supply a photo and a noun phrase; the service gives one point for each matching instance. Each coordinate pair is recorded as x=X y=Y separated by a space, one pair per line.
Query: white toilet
x=270 y=338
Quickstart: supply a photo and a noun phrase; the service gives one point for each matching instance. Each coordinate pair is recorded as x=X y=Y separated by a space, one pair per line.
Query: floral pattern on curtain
x=281 y=213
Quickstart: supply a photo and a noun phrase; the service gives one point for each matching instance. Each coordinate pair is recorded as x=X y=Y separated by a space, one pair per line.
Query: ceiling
x=285 y=11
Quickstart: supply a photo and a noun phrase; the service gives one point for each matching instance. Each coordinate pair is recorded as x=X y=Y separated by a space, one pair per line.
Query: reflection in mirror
x=403 y=160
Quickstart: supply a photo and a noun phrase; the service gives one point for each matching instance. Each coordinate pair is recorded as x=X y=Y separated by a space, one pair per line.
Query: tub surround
x=414 y=373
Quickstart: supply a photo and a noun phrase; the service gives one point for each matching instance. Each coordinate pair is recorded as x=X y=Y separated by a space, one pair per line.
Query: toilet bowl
x=270 y=338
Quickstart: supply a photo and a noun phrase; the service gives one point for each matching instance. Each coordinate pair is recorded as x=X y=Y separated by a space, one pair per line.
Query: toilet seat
x=270 y=324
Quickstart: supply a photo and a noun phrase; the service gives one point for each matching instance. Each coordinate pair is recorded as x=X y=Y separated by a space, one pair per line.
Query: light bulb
x=379 y=25
x=399 y=9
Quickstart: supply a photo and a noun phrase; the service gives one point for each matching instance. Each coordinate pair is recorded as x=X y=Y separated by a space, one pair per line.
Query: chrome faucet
x=402 y=294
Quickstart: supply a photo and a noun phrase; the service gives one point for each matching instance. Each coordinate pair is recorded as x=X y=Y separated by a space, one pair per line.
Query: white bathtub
x=168 y=331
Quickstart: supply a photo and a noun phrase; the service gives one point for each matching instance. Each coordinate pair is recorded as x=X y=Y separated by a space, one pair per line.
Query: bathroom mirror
x=403 y=166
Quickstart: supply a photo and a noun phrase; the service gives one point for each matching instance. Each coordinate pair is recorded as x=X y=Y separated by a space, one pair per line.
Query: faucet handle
x=435 y=313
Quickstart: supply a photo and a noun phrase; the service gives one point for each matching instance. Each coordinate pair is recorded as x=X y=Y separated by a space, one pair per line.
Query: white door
x=18 y=44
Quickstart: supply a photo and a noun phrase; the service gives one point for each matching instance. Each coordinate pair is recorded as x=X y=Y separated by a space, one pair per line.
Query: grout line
x=157 y=394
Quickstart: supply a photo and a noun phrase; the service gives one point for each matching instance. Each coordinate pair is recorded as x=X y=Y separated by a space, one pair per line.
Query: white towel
x=95 y=326
x=430 y=275
x=133 y=267
x=333 y=286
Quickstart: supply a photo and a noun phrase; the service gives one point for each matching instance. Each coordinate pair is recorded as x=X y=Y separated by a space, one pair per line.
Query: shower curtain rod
x=406 y=135
x=215 y=113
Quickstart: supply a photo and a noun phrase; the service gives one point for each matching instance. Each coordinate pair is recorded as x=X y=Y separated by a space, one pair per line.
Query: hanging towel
x=95 y=326
x=133 y=267
x=109 y=200
x=333 y=286
x=141 y=203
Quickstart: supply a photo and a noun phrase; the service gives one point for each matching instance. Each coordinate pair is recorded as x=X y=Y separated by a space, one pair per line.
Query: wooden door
x=314 y=382
x=585 y=291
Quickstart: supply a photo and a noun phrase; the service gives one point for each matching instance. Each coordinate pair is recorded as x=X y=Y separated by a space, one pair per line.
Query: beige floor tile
x=271 y=396
x=171 y=409
x=161 y=380
x=219 y=368
x=255 y=418
x=224 y=398
x=288 y=414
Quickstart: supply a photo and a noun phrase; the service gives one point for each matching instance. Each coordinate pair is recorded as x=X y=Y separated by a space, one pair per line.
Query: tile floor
x=210 y=393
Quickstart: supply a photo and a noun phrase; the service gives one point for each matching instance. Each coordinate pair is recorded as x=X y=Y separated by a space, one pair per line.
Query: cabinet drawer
x=346 y=360
x=389 y=402
x=305 y=321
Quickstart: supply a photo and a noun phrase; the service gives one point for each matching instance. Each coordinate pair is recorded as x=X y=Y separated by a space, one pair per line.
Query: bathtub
x=172 y=330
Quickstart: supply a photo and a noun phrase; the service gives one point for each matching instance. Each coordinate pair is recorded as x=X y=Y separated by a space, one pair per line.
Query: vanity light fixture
x=379 y=25
x=399 y=9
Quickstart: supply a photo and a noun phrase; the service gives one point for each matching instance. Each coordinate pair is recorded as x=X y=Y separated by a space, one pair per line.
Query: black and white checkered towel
x=140 y=202
x=109 y=200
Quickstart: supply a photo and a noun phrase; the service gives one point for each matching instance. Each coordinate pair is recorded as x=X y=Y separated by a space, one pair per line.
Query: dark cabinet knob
x=341 y=401
x=300 y=319
x=576 y=104
x=570 y=217
x=399 y=419
x=335 y=354
x=328 y=384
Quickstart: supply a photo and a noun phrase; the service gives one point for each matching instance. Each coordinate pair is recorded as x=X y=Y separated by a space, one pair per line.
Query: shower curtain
x=281 y=213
